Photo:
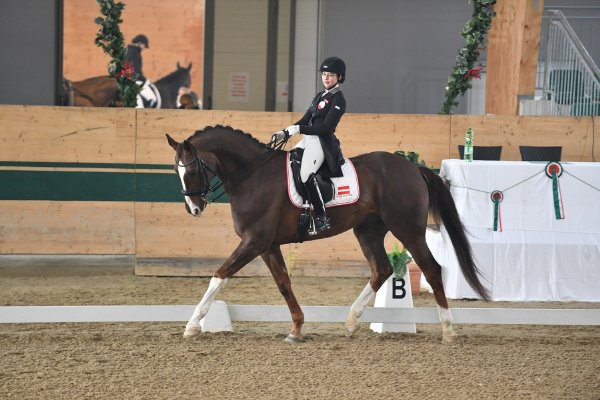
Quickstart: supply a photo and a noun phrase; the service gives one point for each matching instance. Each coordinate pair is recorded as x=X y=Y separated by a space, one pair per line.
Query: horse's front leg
x=274 y=260
x=245 y=252
x=193 y=326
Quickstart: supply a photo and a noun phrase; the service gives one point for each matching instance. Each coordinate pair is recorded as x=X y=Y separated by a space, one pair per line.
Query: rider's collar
x=333 y=90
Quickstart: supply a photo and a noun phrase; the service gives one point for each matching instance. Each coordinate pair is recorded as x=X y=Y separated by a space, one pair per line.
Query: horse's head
x=185 y=73
x=193 y=173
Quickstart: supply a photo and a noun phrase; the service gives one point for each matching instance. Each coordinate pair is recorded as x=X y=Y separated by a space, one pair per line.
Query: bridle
x=237 y=177
x=205 y=191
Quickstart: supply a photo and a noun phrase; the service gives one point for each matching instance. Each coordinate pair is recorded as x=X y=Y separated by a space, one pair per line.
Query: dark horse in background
x=395 y=195
x=102 y=91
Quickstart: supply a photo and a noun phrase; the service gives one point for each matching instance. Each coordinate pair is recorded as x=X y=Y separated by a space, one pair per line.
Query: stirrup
x=322 y=223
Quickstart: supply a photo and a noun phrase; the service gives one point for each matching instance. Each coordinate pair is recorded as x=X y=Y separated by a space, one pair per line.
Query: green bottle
x=469 y=137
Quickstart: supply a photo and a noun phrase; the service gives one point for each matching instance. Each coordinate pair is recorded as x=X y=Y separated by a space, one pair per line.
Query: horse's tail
x=442 y=208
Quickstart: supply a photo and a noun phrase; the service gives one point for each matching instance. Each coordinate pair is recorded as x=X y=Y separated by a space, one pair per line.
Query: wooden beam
x=504 y=57
x=530 y=48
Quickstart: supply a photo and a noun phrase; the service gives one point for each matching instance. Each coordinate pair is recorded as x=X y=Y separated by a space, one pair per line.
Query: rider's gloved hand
x=279 y=135
x=293 y=129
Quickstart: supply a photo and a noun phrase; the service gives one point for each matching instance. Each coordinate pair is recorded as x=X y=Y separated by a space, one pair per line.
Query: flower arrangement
x=399 y=260
x=110 y=39
x=412 y=157
x=466 y=69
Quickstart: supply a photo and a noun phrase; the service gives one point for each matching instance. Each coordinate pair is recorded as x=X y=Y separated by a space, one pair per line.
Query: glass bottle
x=469 y=138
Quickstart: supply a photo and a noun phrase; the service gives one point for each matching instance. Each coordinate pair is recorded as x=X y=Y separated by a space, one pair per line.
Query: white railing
x=272 y=313
x=571 y=84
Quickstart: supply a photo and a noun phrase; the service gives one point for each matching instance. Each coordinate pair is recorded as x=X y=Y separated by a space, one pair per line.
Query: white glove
x=278 y=136
x=293 y=129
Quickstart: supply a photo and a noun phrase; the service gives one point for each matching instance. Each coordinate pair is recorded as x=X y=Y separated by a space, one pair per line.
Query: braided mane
x=231 y=130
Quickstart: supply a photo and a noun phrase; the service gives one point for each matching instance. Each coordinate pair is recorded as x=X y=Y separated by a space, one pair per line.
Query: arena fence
x=272 y=313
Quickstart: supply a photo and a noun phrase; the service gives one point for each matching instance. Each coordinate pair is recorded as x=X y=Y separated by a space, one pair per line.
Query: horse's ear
x=178 y=66
x=189 y=67
x=172 y=142
x=187 y=146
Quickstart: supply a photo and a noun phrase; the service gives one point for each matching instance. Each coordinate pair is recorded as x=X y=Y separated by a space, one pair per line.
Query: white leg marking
x=446 y=320
x=193 y=326
x=195 y=210
x=358 y=307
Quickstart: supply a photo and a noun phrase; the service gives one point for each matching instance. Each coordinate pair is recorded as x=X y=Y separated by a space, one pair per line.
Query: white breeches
x=313 y=156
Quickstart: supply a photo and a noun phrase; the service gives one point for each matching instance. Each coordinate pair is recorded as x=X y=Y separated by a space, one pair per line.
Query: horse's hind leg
x=433 y=273
x=370 y=235
x=274 y=260
x=416 y=244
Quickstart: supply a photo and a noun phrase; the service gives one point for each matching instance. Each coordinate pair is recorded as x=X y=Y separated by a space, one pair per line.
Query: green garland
x=465 y=69
x=110 y=39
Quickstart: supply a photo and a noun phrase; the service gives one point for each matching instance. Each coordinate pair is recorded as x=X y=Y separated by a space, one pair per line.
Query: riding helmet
x=334 y=64
x=141 y=39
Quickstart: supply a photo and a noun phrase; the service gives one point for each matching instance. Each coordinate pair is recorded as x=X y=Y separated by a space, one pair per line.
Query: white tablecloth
x=535 y=257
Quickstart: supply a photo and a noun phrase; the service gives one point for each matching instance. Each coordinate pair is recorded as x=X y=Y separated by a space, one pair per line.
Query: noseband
x=206 y=190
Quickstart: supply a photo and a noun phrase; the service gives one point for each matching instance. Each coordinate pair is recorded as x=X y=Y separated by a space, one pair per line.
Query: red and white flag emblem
x=322 y=104
x=343 y=190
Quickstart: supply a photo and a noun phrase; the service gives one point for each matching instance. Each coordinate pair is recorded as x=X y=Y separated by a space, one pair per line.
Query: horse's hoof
x=352 y=328
x=293 y=339
x=449 y=337
x=191 y=331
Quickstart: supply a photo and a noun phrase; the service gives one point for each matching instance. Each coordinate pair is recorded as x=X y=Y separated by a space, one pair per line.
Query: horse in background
x=98 y=91
x=169 y=85
x=102 y=91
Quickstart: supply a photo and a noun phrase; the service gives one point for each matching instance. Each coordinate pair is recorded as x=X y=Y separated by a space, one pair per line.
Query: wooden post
x=531 y=47
x=512 y=54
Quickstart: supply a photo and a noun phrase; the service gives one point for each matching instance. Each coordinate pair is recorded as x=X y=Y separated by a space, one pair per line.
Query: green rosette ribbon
x=553 y=171
x=497 y=196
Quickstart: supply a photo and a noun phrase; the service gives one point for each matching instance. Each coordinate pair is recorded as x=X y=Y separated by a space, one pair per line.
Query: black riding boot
x=314 y=195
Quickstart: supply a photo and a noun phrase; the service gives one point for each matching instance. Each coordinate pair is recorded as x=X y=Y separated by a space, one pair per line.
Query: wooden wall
x=161 y=234
x=55 y=136
x=174 y=28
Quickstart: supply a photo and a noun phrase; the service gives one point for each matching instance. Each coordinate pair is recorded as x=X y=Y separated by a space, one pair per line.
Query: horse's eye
x=191 y=173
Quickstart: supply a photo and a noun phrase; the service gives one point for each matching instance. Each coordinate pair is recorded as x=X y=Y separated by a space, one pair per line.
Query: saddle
x=325 y=184
x=335 y=191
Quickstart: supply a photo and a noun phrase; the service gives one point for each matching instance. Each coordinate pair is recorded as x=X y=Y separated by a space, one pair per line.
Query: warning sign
x=239 y=86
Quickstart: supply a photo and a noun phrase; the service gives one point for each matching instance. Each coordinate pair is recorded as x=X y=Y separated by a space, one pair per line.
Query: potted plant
x=412 y=157
x=400 y=261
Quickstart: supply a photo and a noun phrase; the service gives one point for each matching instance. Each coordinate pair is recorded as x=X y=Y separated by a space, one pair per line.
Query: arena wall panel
x=99 y=181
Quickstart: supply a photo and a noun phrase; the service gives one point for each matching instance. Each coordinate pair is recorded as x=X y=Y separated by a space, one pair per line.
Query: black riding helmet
x=141 y=39
x=334 y=64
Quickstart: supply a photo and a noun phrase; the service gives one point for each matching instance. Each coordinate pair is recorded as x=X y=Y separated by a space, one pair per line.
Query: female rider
x=319 y=143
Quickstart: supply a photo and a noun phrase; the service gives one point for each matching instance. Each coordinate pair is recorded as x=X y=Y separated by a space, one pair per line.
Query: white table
x=535 y=257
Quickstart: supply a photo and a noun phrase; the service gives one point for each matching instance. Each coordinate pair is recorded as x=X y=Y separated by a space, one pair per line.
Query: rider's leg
x=314 y=194
x=311 y=161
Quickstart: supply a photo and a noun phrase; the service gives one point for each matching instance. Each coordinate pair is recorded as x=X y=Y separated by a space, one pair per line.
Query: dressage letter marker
x=398 y=288
x=395 y=293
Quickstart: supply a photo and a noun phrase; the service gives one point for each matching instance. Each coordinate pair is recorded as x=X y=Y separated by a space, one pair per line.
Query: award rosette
x=553 y=171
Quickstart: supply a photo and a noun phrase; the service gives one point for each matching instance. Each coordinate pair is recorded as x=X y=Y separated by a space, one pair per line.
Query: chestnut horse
x=395 y=195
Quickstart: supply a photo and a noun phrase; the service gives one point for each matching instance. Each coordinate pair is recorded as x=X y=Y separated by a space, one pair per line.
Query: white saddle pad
x=346 y=190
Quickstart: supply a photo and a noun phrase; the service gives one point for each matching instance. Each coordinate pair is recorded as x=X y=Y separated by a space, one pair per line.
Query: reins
x=237 y=176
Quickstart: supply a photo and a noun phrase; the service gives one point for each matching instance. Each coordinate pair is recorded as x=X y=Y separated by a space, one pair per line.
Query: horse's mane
x=171 y=75
x=231 y=130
